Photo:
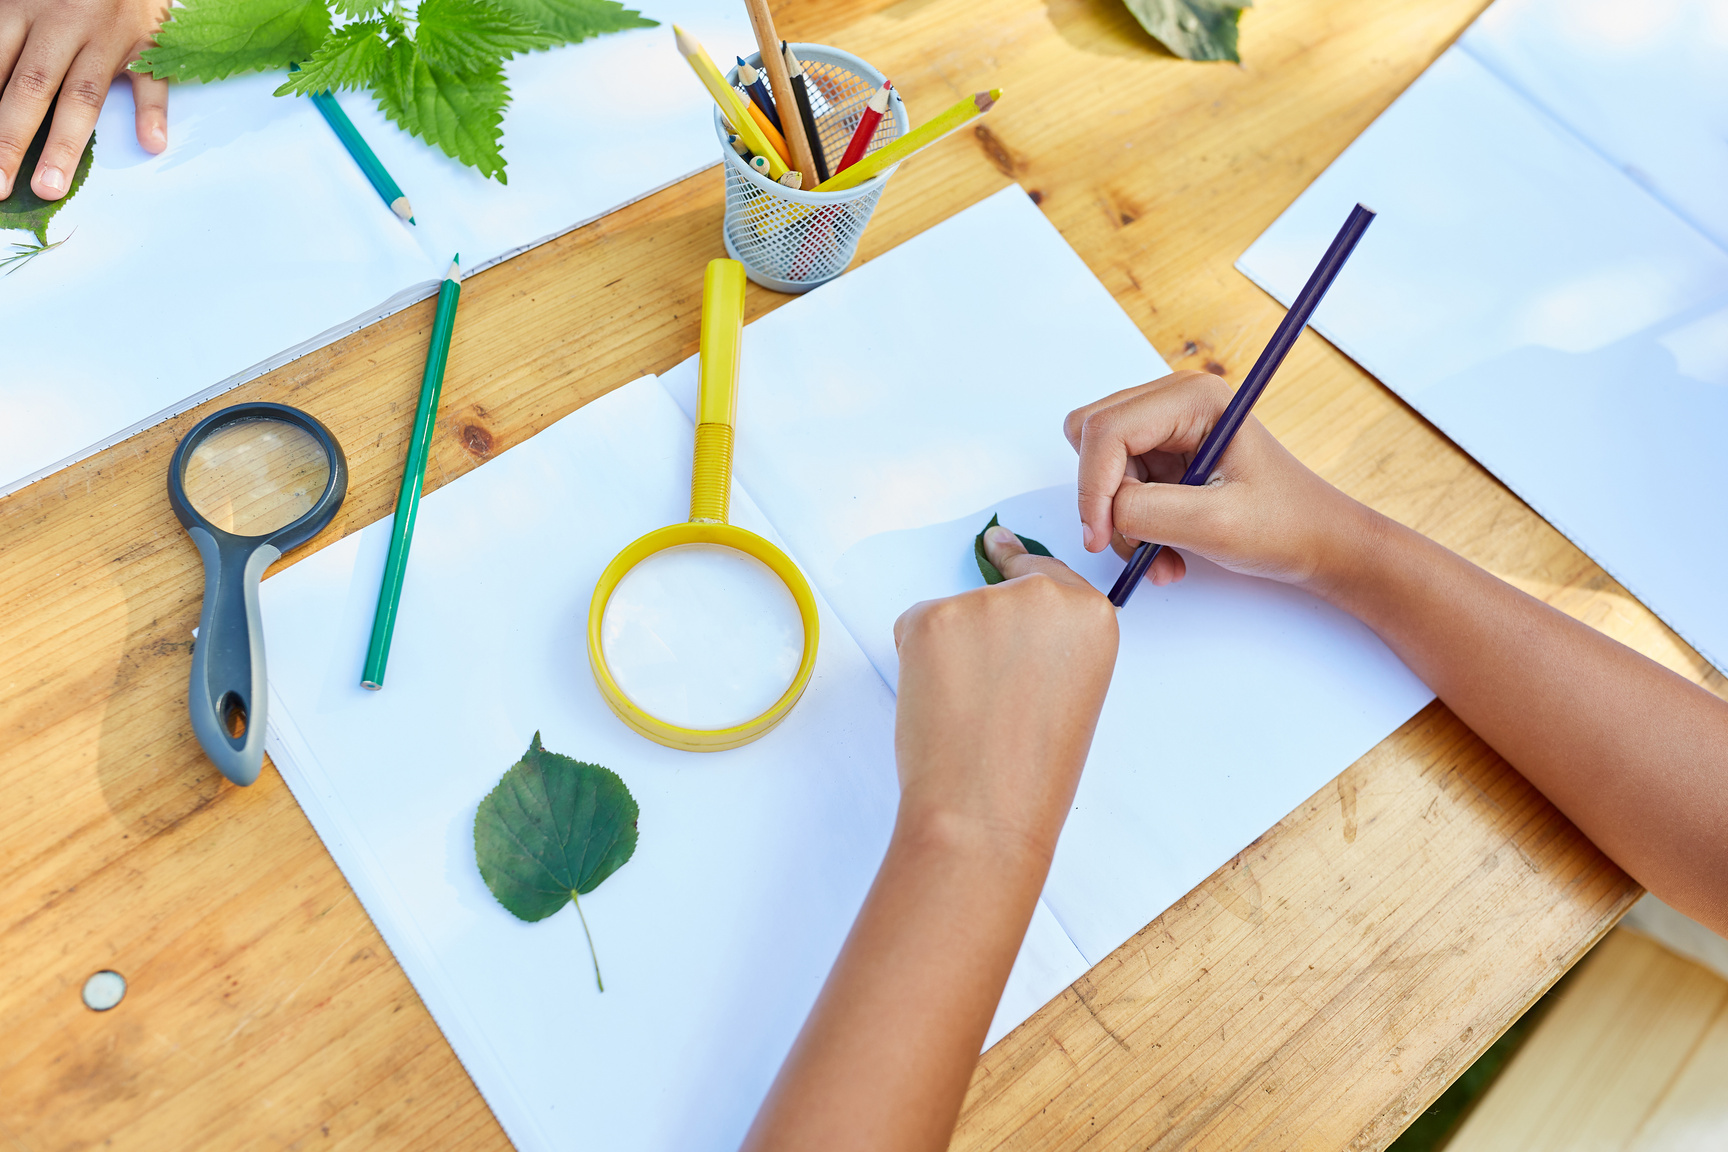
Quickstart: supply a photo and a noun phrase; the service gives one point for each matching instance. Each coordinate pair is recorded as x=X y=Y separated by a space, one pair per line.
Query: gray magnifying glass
x=248 y=483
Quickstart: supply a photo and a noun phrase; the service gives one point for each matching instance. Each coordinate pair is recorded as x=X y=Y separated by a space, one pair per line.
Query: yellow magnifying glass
x=719 y=552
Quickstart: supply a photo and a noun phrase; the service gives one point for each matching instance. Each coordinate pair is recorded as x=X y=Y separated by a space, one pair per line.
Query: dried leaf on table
x=1192 y=29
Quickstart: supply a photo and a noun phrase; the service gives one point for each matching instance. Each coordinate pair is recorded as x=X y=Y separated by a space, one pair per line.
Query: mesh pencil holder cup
x=792 y=241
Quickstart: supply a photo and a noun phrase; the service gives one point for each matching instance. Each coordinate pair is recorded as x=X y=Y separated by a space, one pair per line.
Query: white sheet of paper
x=255 y=238
x=883 y=418
x=1641 y=82
x=716 y=936
x=1545 y=311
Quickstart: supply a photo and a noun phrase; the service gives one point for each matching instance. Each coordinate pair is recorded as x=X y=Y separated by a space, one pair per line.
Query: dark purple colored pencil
x=1217 y=440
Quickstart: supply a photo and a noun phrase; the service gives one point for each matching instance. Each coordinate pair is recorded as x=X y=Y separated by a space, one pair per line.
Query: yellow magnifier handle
x=717 y=391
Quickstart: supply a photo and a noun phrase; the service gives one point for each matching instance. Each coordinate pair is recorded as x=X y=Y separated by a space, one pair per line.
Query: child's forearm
x=885 y=1059
x=999 y=691
x=1633 y=754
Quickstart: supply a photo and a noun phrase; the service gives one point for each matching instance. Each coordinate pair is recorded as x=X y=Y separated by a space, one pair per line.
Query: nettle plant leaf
x=350 y=57
x=462 y=113
x=469 y=35
x=1192 y=29
x=573 y=21
x=442 y=82
x=551 y=831
x=991 y=575
x=28 y=212
x=214 y=39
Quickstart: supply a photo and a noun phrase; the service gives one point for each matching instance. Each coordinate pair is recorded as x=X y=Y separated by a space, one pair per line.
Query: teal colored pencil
x=363 y=156
x=413 y=479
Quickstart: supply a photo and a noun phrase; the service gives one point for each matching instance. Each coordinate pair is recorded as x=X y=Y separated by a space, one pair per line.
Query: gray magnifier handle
x=248 y=483
x=228 y=691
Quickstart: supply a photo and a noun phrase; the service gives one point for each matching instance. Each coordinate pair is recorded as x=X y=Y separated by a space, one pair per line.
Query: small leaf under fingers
x=28 y=212
x=989 y=570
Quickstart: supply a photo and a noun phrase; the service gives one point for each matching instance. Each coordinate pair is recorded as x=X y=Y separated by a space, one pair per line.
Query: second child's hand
x=73 y=49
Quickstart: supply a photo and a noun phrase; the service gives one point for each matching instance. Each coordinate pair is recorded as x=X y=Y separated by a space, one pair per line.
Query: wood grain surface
x=1316 y=992
x=1633 y=1057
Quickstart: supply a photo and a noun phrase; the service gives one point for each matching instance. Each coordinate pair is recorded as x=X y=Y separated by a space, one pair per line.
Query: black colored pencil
x=801 y=94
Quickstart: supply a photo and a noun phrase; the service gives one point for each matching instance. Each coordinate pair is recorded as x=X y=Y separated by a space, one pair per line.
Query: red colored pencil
x=860 y=142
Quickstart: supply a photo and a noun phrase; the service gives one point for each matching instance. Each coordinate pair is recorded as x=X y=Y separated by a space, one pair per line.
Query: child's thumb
x=1195 y=517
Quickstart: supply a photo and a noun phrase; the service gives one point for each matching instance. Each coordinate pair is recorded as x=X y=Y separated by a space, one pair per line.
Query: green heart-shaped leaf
x=552 y=829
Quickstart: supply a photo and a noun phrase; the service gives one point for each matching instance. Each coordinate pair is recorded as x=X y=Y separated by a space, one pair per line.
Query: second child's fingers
x=150 y=98
x=29 y=90
x=80 y=102
x=12 y=32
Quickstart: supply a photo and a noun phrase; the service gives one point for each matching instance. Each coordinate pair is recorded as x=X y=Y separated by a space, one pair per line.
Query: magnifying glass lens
x=702 y=636
x=252 y=477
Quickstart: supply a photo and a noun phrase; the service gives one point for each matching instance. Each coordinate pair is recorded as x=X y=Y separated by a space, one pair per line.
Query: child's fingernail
x=52 y=180
x=158 y=137
x=5 y=185
x=1000 y=536
x=1086 y=535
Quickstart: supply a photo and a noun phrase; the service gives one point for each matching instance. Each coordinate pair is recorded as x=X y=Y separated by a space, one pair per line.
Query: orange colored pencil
x=769 y=131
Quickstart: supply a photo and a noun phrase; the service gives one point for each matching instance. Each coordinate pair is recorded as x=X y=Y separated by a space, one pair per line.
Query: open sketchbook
x=1547 y=280
x=873 y=462
x=255 y=238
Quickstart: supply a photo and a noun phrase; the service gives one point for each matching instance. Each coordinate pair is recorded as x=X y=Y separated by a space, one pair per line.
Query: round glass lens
x=702 y=636
x=252 y=477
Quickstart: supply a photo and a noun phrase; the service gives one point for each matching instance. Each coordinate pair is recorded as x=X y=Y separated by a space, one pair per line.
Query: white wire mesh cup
x=793 y=241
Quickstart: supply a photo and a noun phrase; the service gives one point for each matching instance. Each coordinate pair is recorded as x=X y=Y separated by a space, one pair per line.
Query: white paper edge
x=403 y=299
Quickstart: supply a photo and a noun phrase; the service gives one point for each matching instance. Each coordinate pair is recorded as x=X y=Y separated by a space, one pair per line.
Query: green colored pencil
x=363 y=155
x=413 y=479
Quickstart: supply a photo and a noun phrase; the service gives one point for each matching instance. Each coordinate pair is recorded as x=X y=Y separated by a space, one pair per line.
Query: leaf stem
x=591 y=953
x=22 y=254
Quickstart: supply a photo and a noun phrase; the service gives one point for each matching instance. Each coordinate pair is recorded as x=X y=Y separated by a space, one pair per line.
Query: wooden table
x=1318 y=991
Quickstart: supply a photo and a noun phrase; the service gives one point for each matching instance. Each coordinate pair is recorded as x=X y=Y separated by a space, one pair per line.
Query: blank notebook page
x=1542 y=282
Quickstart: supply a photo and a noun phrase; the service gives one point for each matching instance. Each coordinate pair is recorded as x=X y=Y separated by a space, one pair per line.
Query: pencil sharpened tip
x=455 y=272
x=402 y=208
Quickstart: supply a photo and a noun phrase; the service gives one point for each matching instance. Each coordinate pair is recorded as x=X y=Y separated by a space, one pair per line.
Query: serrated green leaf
x=552 y=830
x=1192 y=29
x=357 y=8
x=461 y=114
x=350 y=57
x=572 y=21
x=213 y=39
x=471 y=35
x=28 y=212
x=989 y=570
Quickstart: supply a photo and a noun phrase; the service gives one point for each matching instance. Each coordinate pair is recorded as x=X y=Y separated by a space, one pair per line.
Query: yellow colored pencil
x=731 y=104
x=919 y=138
